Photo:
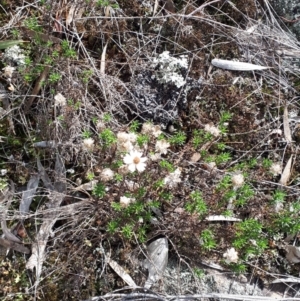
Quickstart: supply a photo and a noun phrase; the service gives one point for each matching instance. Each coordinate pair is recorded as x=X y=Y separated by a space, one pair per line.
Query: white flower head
x=155 y=157
x=231 y=255
x=278 y=206
x=125 y=137
x=88 y=143
x=162 y=146
x=123 y=170
x=173 y=178
x=125 y=141
x=132 y=185
x=71 y=171
x=147 y=128
x=150 y=129
x=277 y=132
x=156 y=131
x=125 y=201
x=60 y=100
x=276 y=169
x=106 y=175
x=211 y=165
x=3 y=172
x=125 y=146
x=8 y=71
x=237 y=180
x=212 y=130
x=100 y=125
x=135 y=161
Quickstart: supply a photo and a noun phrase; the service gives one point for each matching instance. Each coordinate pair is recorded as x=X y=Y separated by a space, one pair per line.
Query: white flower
x=88 y=143
x=212 y=130
x=125 y=137
x=147 y=128
x=278 y=206
x=150 y=129
x=135 y=161
x=231 y=255
x=60 y=100
x=211 y=165
x=71 y=171
x=8 y=71
x=100 y=125
x=132 y=185
x=237 y=180
x=277 y=132
x=161 y=146
x=3 y=172
x=125 y=201
x=125 y=146
x=125 y=141
x=123 y=170
x=276 y=169
x=156 y=130
x=106 y=174
x=173 y=178
x=155 y=157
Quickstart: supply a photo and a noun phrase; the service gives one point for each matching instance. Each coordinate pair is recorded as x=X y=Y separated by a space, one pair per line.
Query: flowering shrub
x=169 y=68
x=14 y=54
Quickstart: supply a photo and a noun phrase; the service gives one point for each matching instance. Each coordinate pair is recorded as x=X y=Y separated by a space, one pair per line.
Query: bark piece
x=157 y=261
x=121 y=272
x=285 y=176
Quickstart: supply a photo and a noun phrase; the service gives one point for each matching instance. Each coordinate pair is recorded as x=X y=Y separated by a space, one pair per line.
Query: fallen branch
x=14 y=246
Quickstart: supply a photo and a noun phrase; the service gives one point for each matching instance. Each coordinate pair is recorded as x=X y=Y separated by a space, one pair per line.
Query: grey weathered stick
x=236 y=66
x=7 y=197
x=14 y=246
x=286 y=126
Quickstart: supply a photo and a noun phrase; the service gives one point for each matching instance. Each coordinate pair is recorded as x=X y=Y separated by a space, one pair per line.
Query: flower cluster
x=134 y=149
x=150 y=129
x=14 y=54
x=88 y=144
x=106 y=175
x=126 y=141
x=173 y=178
x=237 y=180
x=125 y=201
x=161 y=146
x=276 y=169
x=169 y=69
x=8 y=71
x=210 y=128
x=231 y=256
x=60 y=100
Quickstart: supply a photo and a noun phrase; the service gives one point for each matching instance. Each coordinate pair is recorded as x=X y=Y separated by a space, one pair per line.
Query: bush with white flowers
x=169 y=68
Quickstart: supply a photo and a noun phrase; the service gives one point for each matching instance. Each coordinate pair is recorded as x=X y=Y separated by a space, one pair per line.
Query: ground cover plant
x=116 y=129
